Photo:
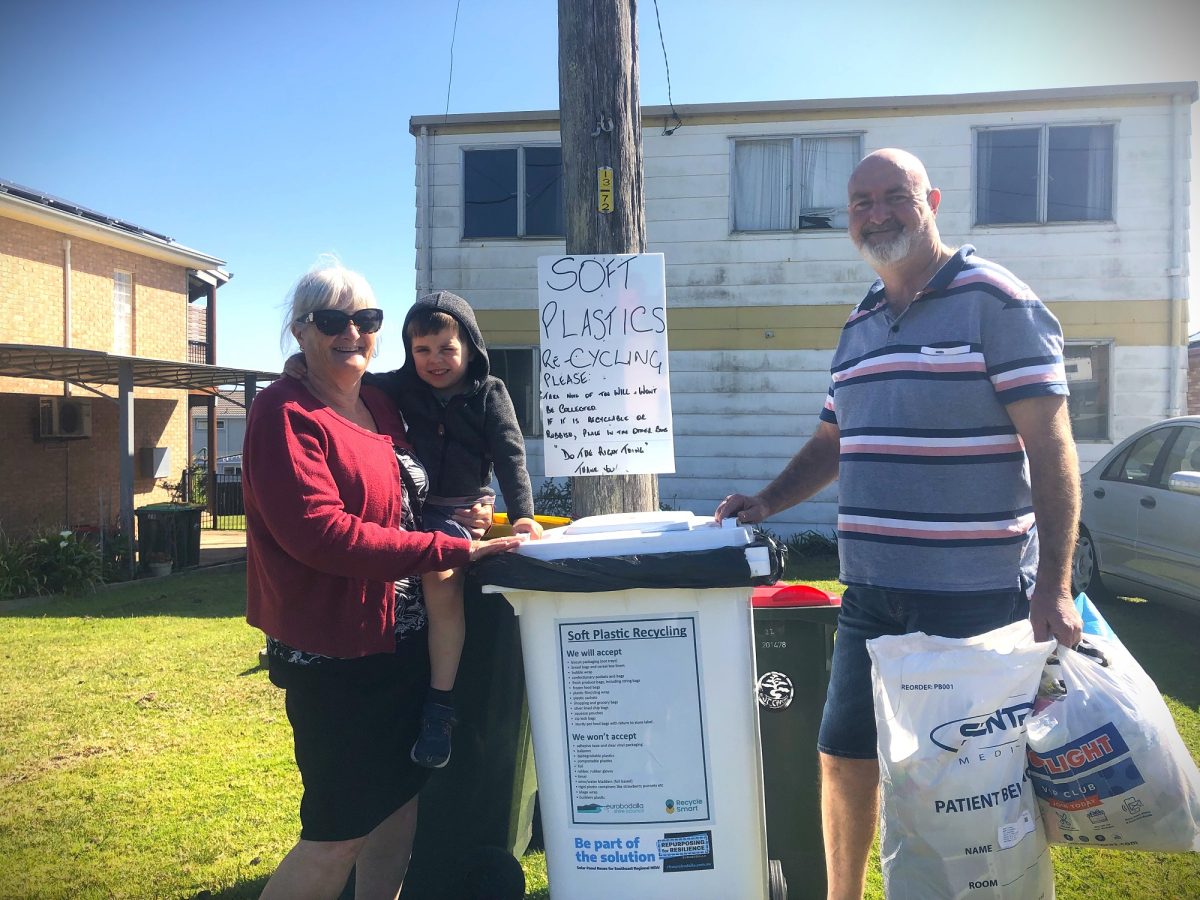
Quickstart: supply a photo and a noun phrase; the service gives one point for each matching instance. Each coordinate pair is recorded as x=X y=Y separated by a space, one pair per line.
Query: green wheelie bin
x=793 y=646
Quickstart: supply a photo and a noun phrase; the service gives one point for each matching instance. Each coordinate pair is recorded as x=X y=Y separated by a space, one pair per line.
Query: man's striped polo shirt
x=934 y=484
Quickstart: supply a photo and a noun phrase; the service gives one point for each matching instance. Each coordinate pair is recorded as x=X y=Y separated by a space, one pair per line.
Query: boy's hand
x=531 y=527
x=295 y=367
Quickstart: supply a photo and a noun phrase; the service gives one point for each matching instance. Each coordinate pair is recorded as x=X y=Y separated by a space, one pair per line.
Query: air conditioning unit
x=64 y=417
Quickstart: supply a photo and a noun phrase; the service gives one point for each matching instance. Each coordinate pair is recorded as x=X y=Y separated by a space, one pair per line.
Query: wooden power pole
x=600 y=123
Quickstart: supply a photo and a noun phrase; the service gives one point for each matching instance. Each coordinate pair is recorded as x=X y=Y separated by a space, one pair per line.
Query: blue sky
x=268 y=132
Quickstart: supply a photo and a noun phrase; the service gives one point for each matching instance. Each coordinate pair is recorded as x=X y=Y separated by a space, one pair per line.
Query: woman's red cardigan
x=323 y=524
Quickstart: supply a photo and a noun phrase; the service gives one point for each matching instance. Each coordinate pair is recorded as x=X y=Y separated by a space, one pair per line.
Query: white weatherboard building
x=1082 y=192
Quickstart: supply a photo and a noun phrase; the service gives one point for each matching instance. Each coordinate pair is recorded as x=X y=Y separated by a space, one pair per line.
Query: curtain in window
x=1081 y=166
x=761 y=185
x=825 y=167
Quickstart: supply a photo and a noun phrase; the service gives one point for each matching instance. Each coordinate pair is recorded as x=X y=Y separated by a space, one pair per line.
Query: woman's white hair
x=329 y=285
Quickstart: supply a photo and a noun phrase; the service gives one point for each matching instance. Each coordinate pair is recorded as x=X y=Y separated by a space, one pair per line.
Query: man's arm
x=1045 y=429
x=814 y=466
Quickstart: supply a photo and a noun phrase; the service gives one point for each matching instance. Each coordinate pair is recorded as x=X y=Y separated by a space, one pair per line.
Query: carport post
x=125 y=452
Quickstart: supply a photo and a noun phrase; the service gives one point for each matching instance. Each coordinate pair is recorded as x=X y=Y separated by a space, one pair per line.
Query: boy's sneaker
x=432 y=747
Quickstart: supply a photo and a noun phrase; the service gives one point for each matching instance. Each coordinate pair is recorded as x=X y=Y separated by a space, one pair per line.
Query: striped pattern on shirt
x=934 y=490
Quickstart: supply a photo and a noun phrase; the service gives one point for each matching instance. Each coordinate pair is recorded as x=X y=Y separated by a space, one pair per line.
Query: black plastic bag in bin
x=716 y=568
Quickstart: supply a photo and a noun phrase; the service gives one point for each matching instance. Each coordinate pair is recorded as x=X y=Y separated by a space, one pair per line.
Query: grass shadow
x=1157 y=635
x=246 y=889
x=197 y=594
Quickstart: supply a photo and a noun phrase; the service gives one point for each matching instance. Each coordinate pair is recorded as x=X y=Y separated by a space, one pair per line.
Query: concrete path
x=218 y=547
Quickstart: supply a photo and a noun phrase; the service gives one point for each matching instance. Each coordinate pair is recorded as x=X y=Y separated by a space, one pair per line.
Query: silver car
x=1139 y=529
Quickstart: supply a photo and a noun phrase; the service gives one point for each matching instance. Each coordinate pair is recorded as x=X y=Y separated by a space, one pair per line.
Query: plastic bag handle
x=1094 y=652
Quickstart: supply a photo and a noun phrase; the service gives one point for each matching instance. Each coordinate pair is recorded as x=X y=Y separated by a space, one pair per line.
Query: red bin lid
x=786 y=595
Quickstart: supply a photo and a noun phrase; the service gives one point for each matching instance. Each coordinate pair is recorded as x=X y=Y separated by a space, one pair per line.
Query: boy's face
x=440 y=358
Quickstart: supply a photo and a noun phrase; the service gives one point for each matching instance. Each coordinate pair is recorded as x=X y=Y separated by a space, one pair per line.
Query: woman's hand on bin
x=531 y=527
x=747 y=510
x=480 y=549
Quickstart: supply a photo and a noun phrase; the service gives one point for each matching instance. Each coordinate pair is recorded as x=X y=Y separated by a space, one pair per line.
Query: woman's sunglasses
x=333 y=321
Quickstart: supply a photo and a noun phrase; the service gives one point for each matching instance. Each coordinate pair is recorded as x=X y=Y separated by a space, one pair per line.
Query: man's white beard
x=881 y=255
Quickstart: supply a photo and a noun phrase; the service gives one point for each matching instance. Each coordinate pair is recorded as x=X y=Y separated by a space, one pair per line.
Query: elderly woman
x=332 y=492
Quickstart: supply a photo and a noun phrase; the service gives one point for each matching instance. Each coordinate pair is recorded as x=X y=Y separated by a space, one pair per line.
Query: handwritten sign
x=605 y=385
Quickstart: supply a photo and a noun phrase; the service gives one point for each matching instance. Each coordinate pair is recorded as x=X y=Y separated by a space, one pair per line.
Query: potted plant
x=159 y=563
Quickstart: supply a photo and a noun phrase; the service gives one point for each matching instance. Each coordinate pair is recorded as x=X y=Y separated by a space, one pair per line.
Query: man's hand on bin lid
x=747 y=510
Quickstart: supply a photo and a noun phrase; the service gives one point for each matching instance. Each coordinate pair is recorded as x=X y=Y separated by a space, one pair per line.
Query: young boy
x=462 y=424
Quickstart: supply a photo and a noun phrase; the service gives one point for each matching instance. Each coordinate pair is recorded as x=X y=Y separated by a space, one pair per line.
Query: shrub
x=114 y=556
x=812 y=544
x=63 y=562
x=553 y=499
x=17 y=578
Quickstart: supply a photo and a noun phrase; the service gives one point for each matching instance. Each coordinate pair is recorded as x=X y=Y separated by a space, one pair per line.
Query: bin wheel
x=777 y=884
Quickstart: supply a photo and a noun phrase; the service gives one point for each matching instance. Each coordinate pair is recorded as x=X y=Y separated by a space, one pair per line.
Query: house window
x=792 y=183
x=123 y=313
x=1046 y=173
x=513 y=192
x=1088 y=369
x=516 y=368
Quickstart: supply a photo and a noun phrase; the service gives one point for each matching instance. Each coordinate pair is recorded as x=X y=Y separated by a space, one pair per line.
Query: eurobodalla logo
x=953 y=734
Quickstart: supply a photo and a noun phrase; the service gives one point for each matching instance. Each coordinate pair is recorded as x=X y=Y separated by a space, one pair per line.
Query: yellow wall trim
x=1131 y=323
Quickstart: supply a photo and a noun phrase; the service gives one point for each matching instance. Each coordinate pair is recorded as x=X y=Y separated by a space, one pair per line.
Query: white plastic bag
x=959 y=816
x=1107 y=764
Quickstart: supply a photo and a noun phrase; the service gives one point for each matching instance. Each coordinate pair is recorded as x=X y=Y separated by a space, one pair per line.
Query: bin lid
x=792 y=595
x=627 y=534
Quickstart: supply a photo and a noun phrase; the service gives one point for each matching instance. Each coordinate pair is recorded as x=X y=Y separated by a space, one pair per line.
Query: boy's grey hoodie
x=460 y=442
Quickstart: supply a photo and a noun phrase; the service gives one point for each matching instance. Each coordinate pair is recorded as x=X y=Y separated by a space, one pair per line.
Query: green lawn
x=146 y=755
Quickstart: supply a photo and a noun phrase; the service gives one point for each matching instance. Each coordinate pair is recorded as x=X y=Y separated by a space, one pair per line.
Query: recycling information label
x=605 y=388
x=634 y=721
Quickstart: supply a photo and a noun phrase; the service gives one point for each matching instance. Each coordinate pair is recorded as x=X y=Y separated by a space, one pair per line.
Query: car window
x=1138 y=465
x=1184 y=455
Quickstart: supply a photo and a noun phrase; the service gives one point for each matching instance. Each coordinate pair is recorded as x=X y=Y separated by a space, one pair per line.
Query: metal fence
x=227 y=509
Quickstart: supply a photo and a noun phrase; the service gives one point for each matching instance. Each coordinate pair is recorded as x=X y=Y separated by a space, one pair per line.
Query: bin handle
x=794 y=595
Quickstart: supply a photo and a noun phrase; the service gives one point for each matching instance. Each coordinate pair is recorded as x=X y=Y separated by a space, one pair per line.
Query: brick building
x=82 y=298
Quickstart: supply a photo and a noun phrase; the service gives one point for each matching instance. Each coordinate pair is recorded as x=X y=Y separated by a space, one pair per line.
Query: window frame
x=534 y=383
x=521 y=224
x=794 y=216
x=1043 y=174
x=117 y=280
x=1110 y=345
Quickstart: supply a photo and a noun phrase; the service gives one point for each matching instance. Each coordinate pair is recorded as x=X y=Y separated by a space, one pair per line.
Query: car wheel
x=1085 y=568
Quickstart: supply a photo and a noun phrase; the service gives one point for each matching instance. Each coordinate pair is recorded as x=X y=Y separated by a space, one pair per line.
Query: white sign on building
x=605 y=384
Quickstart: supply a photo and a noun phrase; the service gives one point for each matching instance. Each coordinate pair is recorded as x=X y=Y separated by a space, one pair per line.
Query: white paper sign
x=605 y=388
x=634 y=720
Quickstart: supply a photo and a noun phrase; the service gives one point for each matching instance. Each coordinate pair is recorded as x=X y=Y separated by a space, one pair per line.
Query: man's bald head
x=893 y=210
x=894 y=160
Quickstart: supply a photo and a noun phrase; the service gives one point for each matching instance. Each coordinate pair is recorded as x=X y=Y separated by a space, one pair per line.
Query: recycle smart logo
x=775 y=691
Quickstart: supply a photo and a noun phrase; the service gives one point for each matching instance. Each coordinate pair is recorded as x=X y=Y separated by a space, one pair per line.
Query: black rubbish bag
x=717 y=568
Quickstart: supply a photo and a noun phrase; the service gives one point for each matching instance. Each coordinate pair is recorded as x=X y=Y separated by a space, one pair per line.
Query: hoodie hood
x=468 y=329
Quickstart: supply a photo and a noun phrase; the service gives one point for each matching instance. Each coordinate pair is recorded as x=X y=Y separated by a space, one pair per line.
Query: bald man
x=958 y=498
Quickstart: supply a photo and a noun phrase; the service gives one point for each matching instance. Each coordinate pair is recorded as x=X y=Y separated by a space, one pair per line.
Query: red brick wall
x=69 y=483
